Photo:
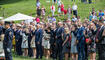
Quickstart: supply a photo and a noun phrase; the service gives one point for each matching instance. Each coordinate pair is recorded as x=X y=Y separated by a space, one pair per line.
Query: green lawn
x=29 y=7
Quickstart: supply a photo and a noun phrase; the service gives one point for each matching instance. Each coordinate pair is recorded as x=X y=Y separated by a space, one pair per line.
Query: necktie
x=58 y=29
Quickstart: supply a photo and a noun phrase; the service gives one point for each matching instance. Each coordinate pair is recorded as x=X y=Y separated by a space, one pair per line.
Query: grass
x=15 y=57
x=29 y=7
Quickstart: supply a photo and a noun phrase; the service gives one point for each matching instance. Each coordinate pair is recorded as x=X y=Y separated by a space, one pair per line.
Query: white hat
x=18 y=25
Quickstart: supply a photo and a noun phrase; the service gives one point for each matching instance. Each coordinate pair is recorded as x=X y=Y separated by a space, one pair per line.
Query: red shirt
x=65 y=11
x=62 y=7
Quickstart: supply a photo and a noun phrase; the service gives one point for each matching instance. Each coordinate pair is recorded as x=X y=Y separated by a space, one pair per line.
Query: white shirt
x=74 y=7
x=53 y=8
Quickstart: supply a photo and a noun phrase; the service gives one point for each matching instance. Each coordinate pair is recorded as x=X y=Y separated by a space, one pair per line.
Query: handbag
x=88 y=40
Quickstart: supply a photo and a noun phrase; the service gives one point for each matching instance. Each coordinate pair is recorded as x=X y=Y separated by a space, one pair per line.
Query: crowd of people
x=72 y=38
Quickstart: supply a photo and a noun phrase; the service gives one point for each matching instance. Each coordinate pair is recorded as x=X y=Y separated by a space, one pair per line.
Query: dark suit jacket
x=52 y=39
x=59 y=32
x=7 y=42
x=100 y=37
x=38 y=35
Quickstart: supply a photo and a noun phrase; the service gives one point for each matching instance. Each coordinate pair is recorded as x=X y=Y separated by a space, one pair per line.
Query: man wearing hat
x=7 y=42
x=18 y=39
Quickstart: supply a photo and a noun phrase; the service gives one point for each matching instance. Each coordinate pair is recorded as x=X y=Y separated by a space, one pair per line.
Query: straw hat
x=19 y=25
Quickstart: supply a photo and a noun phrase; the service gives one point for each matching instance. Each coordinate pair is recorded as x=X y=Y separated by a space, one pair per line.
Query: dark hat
x=6 y=22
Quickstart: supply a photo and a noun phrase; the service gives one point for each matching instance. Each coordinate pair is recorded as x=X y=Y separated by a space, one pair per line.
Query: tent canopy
x=18 y=16
x=1 y=17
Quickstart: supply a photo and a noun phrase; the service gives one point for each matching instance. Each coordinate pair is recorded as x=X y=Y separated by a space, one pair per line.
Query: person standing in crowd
x=13 y=41
x=94 y=17
x=18 y=39
x=59 y=10
x=38 y=3
x=69 y=10
x=54 y=1
x=1 y=27
x=39 y=11
x=100 y=14
x=74 y=19
x=100 y=39
x=46 y=38
x=33 y=42
x=62 y=8
x=74 y=8
x=90 y=1
x=38 y=41
x=24 y=46
x=66 y=44
x=29 y=32
x=93 y=11
x=74 y=51
x=90 y=17
x=43 y=12
x=59 y=2
x=7 y=42
x=84 y=1
x=90 y=40
x=59 y=41
x=52 y=9
x=65 y=13
x=81 y=42
x=52 y=42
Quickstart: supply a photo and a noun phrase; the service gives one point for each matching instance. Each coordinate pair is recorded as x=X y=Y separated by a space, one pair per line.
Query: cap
x=6 y=22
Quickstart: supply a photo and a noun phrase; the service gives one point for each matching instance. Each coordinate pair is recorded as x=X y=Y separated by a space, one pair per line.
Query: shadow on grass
x=2 y=2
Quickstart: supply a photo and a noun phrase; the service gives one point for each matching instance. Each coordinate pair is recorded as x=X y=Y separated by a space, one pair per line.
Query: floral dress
x=24 y=40
x=92 y=44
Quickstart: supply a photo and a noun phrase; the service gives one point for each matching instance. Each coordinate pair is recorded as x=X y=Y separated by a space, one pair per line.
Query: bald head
x=60 y=24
